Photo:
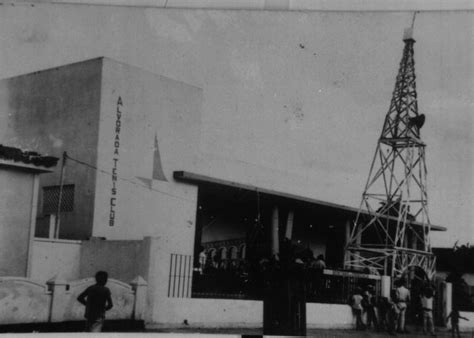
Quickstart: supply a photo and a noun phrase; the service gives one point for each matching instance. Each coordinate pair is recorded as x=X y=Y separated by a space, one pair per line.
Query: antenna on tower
x=413 y=20
x=408 y=33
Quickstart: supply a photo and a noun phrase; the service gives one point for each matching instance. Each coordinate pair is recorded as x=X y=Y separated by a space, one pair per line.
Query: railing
x=237 y=282
x=336 y=287
x=224 y=284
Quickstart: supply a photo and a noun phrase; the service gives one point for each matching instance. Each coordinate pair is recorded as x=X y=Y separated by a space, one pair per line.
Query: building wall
x=52 y=111
x=159 y=267
x=55 y=259
x=59 y=109
x=71 y=260
x=15 y=217
x=123 y=260
x=159 y=121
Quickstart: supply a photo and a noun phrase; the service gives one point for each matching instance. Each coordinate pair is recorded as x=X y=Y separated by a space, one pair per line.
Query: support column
x=275 y=237
x=347 y=237
x=358 y=243
x=385 y=286
x=289 y=225
x=58 y=299
x=447 y=300
x=51 y=224
x=347 y=228
x=198 y=233
x=139 y=285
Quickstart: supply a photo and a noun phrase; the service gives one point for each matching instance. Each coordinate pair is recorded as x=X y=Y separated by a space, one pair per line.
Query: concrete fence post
x=385 y=286
x=447 y=299
x=58 y=289
x=139 y=285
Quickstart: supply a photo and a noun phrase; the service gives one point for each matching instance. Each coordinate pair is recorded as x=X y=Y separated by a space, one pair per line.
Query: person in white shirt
x=202 y=260
x=403 y=298
x=356 y=305
x=427 y=305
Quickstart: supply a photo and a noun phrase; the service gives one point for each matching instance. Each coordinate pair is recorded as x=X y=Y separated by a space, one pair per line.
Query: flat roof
x=198 y=178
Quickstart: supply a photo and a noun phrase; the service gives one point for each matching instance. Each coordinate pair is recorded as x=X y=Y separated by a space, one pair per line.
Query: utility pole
x=60 y=197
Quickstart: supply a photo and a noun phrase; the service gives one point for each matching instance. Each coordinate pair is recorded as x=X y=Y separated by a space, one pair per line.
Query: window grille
x=51 y=198
x=180 y=277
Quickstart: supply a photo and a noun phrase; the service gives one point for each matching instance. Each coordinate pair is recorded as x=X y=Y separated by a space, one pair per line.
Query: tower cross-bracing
x=392 y=227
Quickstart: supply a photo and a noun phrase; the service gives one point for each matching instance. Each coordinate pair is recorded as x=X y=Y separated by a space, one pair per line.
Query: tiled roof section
x=27 y=157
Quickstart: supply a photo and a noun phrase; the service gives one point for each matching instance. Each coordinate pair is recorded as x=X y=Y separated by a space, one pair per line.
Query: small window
x=51 y=198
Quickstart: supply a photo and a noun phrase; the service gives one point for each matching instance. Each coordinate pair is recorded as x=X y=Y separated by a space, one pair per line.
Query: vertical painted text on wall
x=115 y=158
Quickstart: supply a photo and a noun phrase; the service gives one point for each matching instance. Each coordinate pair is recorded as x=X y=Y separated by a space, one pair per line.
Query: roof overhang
x=20 y=166
x=190 y=177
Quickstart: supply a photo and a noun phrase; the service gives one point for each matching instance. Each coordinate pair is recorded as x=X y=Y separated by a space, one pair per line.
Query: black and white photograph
x=237 y=167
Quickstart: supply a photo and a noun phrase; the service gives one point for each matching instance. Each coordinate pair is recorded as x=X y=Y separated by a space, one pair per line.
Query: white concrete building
x=137 y=185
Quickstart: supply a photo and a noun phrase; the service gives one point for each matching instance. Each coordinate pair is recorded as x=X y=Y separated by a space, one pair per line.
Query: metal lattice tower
x=391 y=231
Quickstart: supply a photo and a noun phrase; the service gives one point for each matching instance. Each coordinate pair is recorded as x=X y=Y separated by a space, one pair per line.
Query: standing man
x=369 y=300
x=427 y=305
x=356 y=305
x=97 y=300
x=402 y=299
x=202 y=260
x=318 y=267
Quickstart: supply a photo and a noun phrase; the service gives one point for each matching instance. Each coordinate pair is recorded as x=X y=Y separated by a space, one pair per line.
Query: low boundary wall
x=24 y=301
x=466 y=325
x=235 y=314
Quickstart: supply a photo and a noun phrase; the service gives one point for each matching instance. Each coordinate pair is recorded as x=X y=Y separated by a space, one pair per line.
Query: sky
x=303 y=94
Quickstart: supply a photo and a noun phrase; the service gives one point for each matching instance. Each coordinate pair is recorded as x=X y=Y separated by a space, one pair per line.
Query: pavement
x=324 y=333
x=133 y=329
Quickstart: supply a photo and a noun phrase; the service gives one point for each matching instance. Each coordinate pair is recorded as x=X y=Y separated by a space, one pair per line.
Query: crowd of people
x=389 y=313
x=246 y=276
